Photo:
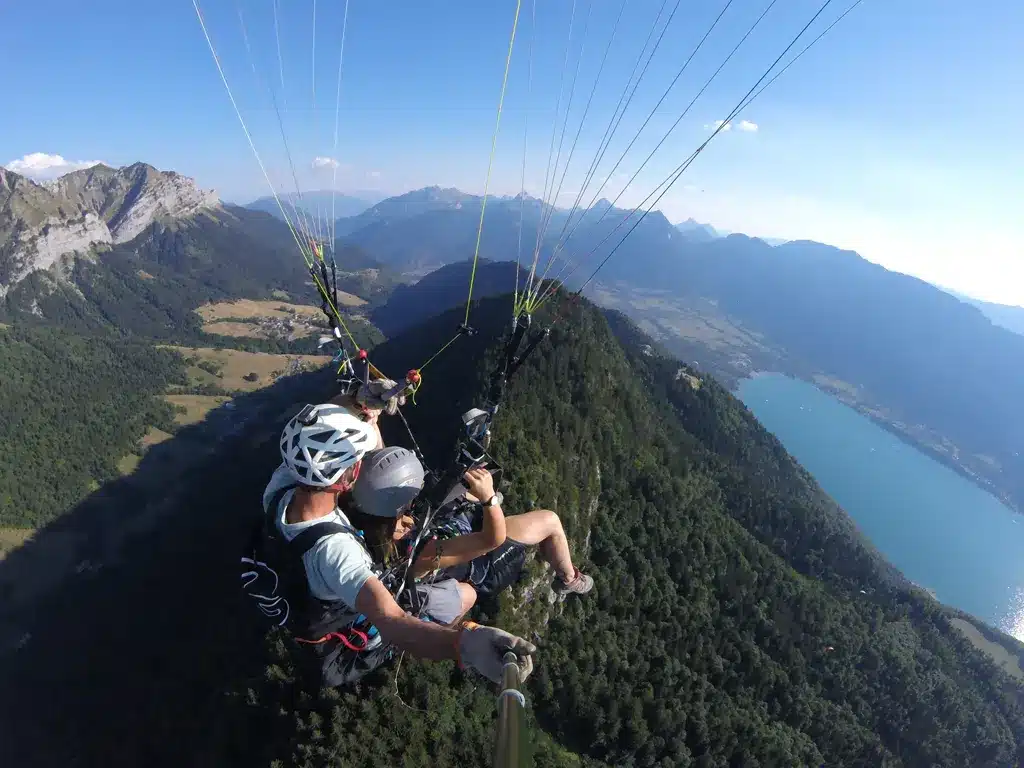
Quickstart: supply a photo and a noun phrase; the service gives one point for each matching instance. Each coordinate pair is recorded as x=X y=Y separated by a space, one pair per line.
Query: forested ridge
x=704 y=645
x=70 y=407
x=728 y=625
x=80 y=378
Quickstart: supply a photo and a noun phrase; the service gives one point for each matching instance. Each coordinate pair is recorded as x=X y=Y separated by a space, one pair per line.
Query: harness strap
x=308 y=538
x=271 y=510
x=342 y=638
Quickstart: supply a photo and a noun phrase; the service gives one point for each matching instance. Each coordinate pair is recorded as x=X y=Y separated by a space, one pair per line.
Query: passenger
x=488 y=555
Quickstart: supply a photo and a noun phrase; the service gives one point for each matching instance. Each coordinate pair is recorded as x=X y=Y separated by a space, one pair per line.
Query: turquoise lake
x=942 y=531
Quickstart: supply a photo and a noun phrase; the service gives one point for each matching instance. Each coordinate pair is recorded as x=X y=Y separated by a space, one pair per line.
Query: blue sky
x=899 y=135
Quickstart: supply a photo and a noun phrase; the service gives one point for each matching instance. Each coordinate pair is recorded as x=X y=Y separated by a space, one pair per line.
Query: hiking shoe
x=580 y=585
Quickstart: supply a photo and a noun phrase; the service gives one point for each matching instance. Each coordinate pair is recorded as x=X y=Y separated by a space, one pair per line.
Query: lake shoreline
x=951 y=537
x=843 y=396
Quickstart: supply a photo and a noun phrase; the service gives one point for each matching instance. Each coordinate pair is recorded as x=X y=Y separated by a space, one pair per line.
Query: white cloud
x=325 y=162
x=715 y=125
x=749 y=127
x=373 y=174
x=41 y=166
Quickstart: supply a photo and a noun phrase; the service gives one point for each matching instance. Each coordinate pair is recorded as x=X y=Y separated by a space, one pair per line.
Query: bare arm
x=464 y=548
x=423 y=639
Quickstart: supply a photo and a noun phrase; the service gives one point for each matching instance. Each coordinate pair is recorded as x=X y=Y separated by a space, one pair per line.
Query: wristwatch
x=494 y=501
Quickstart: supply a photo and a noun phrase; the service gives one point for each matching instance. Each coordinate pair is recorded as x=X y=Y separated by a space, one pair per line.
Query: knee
x=551 y=521
x=467 y=595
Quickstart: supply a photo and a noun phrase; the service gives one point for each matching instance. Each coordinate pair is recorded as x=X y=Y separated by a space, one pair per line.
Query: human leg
x=543 y=529
x=468 y=596
x=445 y=601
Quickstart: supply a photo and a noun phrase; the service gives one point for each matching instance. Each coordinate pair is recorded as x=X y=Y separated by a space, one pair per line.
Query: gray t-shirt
x=338 y=565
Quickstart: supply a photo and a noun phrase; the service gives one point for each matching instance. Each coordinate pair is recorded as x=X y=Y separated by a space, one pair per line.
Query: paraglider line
x=490 y=162
x=334 y=153
x=671 y=130
x=556 y=191
x=252 y=145
x=297 y=210
x=583 y=120
x=526 y=144
x=673 y=177
x=613 y=126
x=616 y=118
x=650 y=116
x=752 y=94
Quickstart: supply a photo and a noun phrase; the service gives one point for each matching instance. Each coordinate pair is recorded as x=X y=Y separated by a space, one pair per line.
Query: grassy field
x=247 y=318
x=154 y=436
x=232 y=366
x=231 y=370
x=12 y=538
x=1000 y=655
x=274 y=308
x=831 y=383
x=195 y=406
x=128 y=463
x=696 y=319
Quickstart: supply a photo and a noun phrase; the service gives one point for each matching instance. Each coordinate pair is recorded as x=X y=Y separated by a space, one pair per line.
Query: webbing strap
x=308 y=539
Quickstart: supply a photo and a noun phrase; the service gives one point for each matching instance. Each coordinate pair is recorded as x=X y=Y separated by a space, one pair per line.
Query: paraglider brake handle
x=409 y=386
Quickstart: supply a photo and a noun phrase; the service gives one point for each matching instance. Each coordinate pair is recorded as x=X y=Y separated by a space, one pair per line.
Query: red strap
x=343 y=639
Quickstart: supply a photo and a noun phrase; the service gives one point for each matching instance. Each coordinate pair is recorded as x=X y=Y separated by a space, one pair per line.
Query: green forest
x=70 y=407
x=738 y=618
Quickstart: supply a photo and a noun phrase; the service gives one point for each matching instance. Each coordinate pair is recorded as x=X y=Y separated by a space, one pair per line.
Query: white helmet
x=322 y=441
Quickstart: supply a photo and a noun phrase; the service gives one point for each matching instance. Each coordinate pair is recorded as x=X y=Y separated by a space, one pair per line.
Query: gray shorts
x=442 y=601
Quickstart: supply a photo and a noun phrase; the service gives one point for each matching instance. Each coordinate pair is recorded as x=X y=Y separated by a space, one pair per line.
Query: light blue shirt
x=338 y=565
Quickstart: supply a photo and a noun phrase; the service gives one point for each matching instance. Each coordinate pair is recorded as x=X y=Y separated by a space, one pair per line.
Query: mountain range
x=739 y=619
x=1006 y=315
x=933 y=369
x=697 y=230
x=888 y=344
x=316 y=202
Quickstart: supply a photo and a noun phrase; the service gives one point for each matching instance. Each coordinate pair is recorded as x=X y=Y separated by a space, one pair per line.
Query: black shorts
x=493 y=572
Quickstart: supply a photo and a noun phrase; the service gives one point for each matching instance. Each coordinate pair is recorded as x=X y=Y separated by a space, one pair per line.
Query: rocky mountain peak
x=42 y=221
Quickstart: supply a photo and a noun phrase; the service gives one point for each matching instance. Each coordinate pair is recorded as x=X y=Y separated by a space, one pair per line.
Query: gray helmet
x=390 y=478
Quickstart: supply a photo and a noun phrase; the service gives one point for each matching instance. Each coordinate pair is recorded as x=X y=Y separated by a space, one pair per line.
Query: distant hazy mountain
x=929 y=362
x=406 y=206
x=1005 y=315
x=695 y=229
x=316 y=202
x=428 y=228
